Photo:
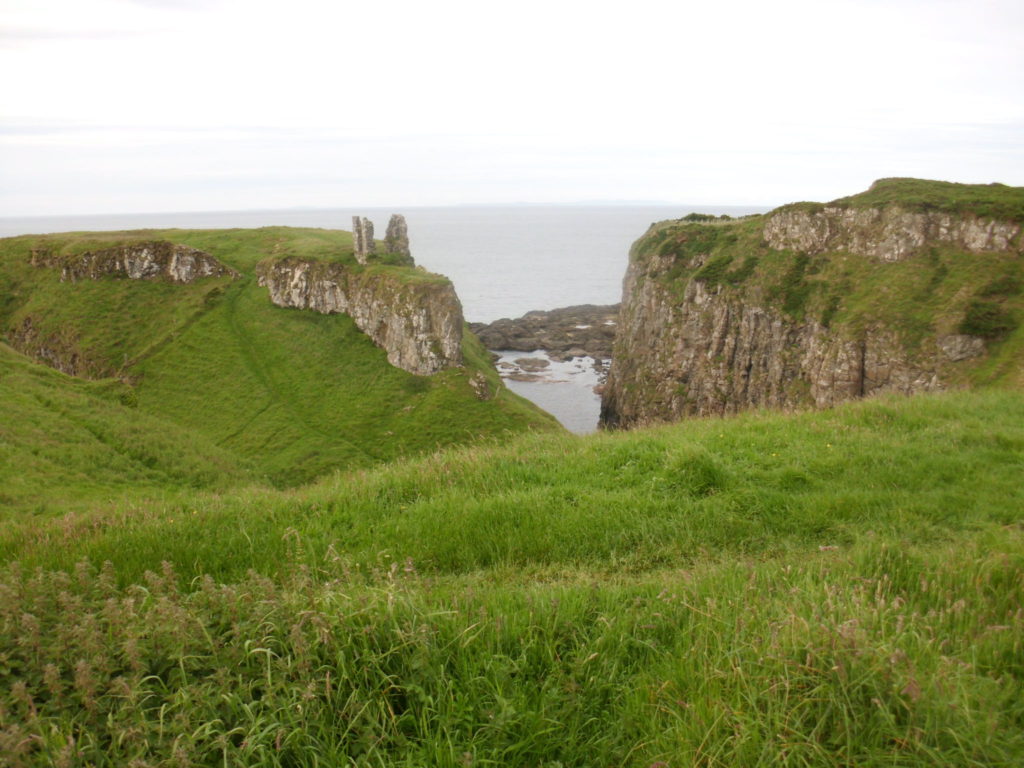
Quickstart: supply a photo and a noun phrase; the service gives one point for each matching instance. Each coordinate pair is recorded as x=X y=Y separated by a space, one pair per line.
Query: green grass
x=834 y=588
x=289 y=394
x=70 y=444
x=757 y=485
x=995 y=201
x=989 y=201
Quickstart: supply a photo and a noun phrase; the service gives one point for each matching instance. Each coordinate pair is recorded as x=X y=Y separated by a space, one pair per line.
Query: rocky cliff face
x=415 y=317
x=887 y=234
x=804 y=308
x=158 y=259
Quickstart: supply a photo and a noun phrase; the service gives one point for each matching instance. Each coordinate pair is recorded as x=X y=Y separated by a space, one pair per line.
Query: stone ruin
x=396 y=239
x=362 y=239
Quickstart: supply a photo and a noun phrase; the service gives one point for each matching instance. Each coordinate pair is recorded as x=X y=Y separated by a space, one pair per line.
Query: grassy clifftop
x=994 y=201
x=289 y=394
x=937 y=289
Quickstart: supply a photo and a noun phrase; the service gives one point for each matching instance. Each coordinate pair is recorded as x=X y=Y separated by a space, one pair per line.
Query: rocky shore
x=586 y=330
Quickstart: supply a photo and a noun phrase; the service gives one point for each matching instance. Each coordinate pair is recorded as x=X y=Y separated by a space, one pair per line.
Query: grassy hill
x=68 y=443
x=285 y=395
x=832 y=588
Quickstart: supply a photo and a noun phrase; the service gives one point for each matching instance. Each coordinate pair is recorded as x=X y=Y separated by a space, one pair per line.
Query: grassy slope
x=292 y=393
x=753 y=485
x=68 y=443
x=834 y=588
x=996 y=201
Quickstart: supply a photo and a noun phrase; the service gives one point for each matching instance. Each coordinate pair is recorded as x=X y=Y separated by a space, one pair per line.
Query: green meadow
x=831 y=588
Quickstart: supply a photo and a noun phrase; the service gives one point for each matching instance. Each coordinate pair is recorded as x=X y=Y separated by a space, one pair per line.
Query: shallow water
x=563 y=389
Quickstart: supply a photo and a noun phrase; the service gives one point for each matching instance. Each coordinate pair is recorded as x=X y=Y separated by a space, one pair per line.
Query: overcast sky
x=163 y=105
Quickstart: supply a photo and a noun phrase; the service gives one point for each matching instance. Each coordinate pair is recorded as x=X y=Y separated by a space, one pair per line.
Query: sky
x=117 y=106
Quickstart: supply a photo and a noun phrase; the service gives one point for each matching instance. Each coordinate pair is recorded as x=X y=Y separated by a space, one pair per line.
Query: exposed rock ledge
x=713 y=354
x=586 y=329
x=886 y=234
x=136 y=261
x=416 y=319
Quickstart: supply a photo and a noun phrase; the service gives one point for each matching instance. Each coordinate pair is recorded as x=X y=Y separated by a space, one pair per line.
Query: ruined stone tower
x=397 y=238
x=362 y=238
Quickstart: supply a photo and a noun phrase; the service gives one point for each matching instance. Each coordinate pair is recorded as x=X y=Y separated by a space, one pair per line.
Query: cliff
x=413 y=315
x=156 y=259
x=912 y=286
x=276 y=395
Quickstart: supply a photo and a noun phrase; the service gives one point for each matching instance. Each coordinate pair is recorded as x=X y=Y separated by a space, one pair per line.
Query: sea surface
x=504 y=260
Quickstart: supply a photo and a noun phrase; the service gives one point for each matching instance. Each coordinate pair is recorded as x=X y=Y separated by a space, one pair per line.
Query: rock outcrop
x=712 y=354
x=806 y=307
x=363 y=243
x=153 y=260
x=587 y=329
x=415 y=317
x=58 y=350
x=396 y=238
x=887 y=234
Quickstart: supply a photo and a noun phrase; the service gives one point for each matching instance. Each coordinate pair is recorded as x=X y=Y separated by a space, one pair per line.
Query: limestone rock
x=688 y=346
x=712 y=354
x=157 y=259
x=58 y=351
x=961 y=347
x=886 y=234
x=417 y=322
x=532 y=364
x=480 y=386
x=396 y=239
x=362 y=239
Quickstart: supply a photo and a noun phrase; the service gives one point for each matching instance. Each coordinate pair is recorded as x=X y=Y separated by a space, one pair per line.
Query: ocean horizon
x=504 y=260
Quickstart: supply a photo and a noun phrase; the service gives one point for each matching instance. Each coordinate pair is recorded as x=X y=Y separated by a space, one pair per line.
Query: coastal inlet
x=568 y=352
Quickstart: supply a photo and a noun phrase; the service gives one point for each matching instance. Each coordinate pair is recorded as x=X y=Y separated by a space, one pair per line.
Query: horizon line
x=396 y=208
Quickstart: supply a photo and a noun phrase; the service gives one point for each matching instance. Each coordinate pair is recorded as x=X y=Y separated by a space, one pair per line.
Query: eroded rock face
x=417 y=322
x=396 y=239
x=886 y=234
x=362 y=239
x=690 y=347
x=712 y=355
x=158 y=259
x=57 y=351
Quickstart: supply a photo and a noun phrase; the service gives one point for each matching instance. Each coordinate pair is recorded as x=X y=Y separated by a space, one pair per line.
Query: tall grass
x=838 y=588
x=924 y=468
x=880 y=655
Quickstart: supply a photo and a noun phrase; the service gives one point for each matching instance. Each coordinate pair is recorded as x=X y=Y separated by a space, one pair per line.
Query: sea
x=504 y=260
